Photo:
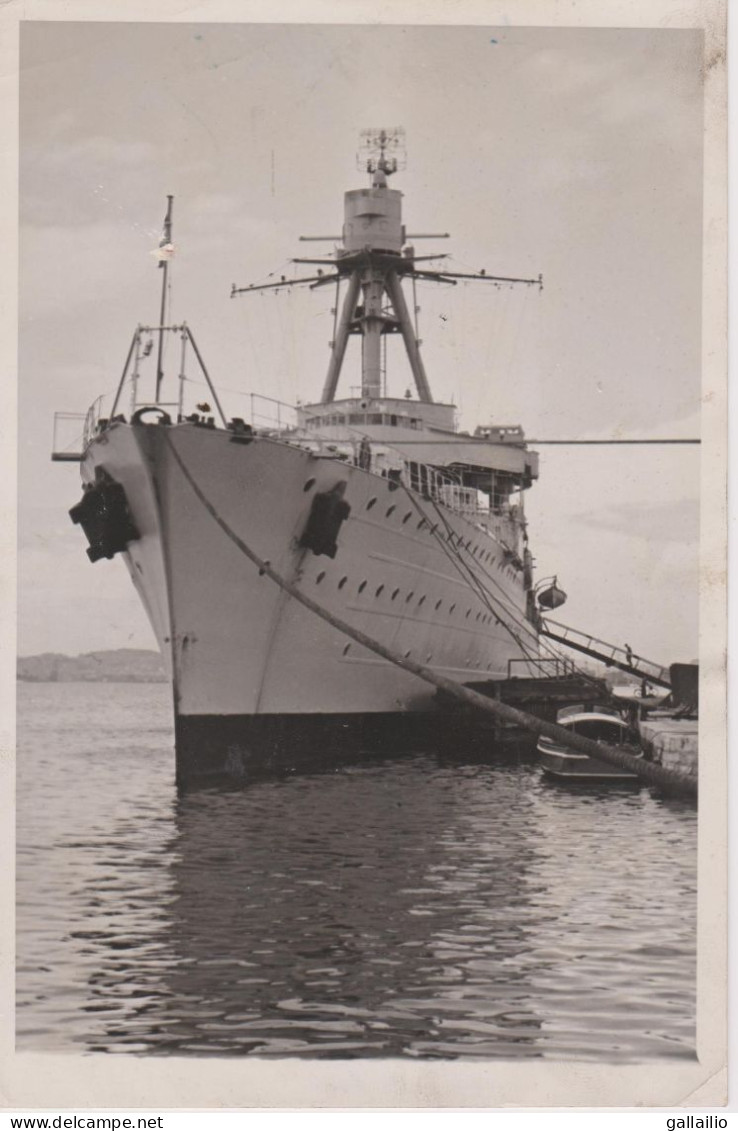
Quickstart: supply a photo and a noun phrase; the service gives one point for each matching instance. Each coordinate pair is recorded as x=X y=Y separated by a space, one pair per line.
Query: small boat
x=563 y=763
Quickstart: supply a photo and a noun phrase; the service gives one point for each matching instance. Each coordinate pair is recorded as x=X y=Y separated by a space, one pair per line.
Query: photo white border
x=41 y=1081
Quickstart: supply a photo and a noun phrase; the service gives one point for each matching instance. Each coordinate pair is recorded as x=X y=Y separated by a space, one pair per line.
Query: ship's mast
x=373 y=238
x=165 y=245
x=373 y=259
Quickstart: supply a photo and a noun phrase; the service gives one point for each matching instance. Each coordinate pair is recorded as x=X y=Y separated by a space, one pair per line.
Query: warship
x=375 y=507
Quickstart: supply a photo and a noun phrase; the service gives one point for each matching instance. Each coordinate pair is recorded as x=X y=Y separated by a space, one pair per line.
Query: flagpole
x=164 y=263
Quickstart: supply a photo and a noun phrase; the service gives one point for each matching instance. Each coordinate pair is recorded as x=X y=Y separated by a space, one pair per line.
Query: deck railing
x=548 y=667
x=68 y=442
x=280 y=420
x=610 y=654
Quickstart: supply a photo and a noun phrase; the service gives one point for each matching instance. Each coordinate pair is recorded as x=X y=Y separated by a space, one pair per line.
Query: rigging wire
x=467 y=574
x=490 y=600
x=516 y=334
x=492 y=603
x=554 y=652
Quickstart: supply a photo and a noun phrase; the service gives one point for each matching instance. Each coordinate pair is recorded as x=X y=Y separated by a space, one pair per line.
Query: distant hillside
x=124 y=665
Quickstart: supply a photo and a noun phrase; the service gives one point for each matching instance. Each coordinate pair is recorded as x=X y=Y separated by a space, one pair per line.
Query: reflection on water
x=413 y=908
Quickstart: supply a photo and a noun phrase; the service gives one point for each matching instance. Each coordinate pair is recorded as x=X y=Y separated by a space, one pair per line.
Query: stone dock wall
x=672 y=743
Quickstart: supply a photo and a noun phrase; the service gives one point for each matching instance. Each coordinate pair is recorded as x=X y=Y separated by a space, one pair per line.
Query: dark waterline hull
x=240 y=748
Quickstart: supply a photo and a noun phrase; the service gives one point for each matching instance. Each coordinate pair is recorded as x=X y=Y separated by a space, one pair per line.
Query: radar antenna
x=382 y=151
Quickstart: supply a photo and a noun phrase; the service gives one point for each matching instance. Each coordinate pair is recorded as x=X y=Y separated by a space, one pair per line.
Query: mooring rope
x=670 y=780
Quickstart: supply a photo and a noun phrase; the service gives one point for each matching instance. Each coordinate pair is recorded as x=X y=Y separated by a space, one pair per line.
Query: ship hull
x=260 y=683
x=215 y=748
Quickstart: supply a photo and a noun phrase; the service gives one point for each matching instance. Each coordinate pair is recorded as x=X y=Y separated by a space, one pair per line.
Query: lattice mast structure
x=373 y=258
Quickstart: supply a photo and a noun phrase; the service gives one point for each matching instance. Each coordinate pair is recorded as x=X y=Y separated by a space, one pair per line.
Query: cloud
x=96 y=151
x=68 y=267
x=653 y=522
x=93 y=177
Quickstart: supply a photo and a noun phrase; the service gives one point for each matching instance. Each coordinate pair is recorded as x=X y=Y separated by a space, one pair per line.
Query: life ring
x=163 y=417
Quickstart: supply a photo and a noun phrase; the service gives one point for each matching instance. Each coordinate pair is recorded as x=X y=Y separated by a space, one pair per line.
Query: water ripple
x=413 y=908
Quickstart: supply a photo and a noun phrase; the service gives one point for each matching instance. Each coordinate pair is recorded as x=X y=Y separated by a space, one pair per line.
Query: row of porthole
x=485 y=618
x=483 y=555
x=407 y=654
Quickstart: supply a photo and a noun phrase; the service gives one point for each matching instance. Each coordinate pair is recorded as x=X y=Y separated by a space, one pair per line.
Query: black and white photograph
x=370 y=568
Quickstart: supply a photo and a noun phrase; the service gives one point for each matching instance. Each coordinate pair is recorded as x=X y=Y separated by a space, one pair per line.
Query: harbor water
x=416 y=907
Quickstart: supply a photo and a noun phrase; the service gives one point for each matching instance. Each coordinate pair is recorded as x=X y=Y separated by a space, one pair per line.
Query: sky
x=574 y=153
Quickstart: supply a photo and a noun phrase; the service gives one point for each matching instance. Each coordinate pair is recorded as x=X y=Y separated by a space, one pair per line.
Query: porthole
x=409 y=597
x=407 y=654
x=467 y=614
x=395 y=594
x=429 y=657
x=452 y=608
x=320 y=577
x=342 y=582
x=379 y=591
x=390 y=510
x=421 y=524
x=438 y=604
x=362 y=587
x=422 y=599
x=308 y=484
x=346 y=649
x=407 y=516
x=371 y=502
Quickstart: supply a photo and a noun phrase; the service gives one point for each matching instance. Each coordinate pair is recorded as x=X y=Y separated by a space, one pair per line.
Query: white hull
x=236 y=644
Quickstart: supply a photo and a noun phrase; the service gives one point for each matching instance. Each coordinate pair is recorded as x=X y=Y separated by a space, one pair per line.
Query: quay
x=671 y=743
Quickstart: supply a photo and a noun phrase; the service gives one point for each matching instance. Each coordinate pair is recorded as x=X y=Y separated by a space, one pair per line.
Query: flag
x=165 y=251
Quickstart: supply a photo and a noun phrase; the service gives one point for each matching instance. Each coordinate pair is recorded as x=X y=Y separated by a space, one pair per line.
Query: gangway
x=610 y=654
